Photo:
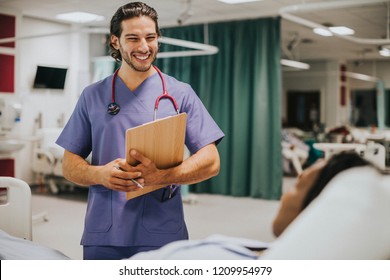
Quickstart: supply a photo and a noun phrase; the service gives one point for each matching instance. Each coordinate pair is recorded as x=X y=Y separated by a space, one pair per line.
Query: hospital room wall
x=43 y=107
x=378 y=69
x=324 y=76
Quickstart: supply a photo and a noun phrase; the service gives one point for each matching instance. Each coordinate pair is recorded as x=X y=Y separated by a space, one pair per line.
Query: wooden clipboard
x=162 y=141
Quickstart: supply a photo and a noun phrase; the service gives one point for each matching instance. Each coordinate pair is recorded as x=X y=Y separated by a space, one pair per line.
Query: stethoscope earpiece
x=113 y=108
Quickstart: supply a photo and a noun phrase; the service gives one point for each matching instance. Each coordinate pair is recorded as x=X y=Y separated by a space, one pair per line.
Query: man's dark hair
x=336 y=164
x=130 y=10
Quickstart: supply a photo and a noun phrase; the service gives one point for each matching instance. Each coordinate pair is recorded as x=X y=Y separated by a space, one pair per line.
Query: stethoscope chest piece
x=113 y=108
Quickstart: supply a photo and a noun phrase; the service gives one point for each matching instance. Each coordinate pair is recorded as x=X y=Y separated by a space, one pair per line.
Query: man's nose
x=143 y=45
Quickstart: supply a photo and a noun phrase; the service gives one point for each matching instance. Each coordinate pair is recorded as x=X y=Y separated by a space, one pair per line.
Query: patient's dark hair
x=128 y=11
x=336 y=164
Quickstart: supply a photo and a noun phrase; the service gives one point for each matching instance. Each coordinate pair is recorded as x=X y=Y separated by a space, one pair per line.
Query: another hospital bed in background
x=294 y=151
x=371 y=151
x=47 y=159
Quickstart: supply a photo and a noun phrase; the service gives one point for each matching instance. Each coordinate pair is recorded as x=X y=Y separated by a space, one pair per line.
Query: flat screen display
x=50 y=77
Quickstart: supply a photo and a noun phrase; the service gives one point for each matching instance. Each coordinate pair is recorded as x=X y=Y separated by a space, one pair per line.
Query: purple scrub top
x=111 y=220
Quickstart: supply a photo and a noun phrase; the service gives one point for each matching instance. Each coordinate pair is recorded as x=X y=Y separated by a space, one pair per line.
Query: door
x=364 y=111
x=303 y=109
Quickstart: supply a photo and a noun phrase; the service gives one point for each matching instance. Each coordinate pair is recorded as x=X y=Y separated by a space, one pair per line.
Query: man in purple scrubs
x=117 y=228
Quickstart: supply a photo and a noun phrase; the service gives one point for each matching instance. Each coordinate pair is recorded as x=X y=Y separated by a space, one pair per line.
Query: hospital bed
x=348 y=220
x=294 y=151
x=15 y=207
x=47 y=159
x=371 y=151
x=14 y=248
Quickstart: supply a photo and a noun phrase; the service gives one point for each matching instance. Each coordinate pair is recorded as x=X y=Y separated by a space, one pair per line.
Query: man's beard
x=140 y=68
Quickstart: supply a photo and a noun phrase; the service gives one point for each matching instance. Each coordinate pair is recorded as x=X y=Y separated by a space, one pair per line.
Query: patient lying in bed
x=348 y=218
x=323 y=217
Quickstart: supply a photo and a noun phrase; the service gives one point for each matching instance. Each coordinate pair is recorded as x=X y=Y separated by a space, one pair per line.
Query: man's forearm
x=199 y=167
x=78 y=170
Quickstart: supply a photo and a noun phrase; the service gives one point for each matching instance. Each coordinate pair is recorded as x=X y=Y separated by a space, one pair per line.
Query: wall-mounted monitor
x=50 y=77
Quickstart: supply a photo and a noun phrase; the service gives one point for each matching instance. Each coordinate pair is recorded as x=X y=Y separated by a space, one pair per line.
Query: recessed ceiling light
x=294 y=64
x=361 y=77
x=322 y=32
x=384 y=52
x=79 y=17
x=342 y=30
x=237 y=1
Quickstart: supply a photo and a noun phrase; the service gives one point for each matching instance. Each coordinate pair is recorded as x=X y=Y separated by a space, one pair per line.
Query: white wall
x=378 y=69
x=69 y=49
x=325 y=77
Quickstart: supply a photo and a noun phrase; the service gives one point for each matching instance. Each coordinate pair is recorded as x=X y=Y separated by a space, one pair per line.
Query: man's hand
x=121 y=176
x=151 y=175
x=116 y=175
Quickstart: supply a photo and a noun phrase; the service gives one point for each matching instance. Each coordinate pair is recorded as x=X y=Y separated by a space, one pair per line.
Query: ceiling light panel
x=342 y=30
x=79 y=17
x=384 y=52
x=295 y=64
x=323 y=32
x=238 y=1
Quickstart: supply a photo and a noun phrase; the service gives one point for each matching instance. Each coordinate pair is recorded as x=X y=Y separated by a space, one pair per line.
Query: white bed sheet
x=14 y=248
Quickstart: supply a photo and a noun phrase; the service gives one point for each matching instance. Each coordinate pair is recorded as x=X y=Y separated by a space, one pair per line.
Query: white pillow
x=350 y=219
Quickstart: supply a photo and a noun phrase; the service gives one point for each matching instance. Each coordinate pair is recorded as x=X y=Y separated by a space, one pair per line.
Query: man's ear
x=115 y=42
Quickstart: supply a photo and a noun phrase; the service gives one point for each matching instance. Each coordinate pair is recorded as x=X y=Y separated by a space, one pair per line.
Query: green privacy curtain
x=241 y=88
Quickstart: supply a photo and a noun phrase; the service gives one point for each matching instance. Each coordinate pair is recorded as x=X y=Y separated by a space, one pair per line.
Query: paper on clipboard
x=162 y=141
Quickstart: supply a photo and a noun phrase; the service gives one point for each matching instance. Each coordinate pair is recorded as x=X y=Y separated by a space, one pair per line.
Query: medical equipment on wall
x=114 y=108
x=10 y=114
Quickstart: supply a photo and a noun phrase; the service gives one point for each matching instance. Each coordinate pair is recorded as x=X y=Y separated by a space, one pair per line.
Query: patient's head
x=310 y=184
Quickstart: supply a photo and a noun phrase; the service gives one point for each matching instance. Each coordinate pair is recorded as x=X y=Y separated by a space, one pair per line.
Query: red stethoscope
x=113 y=108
